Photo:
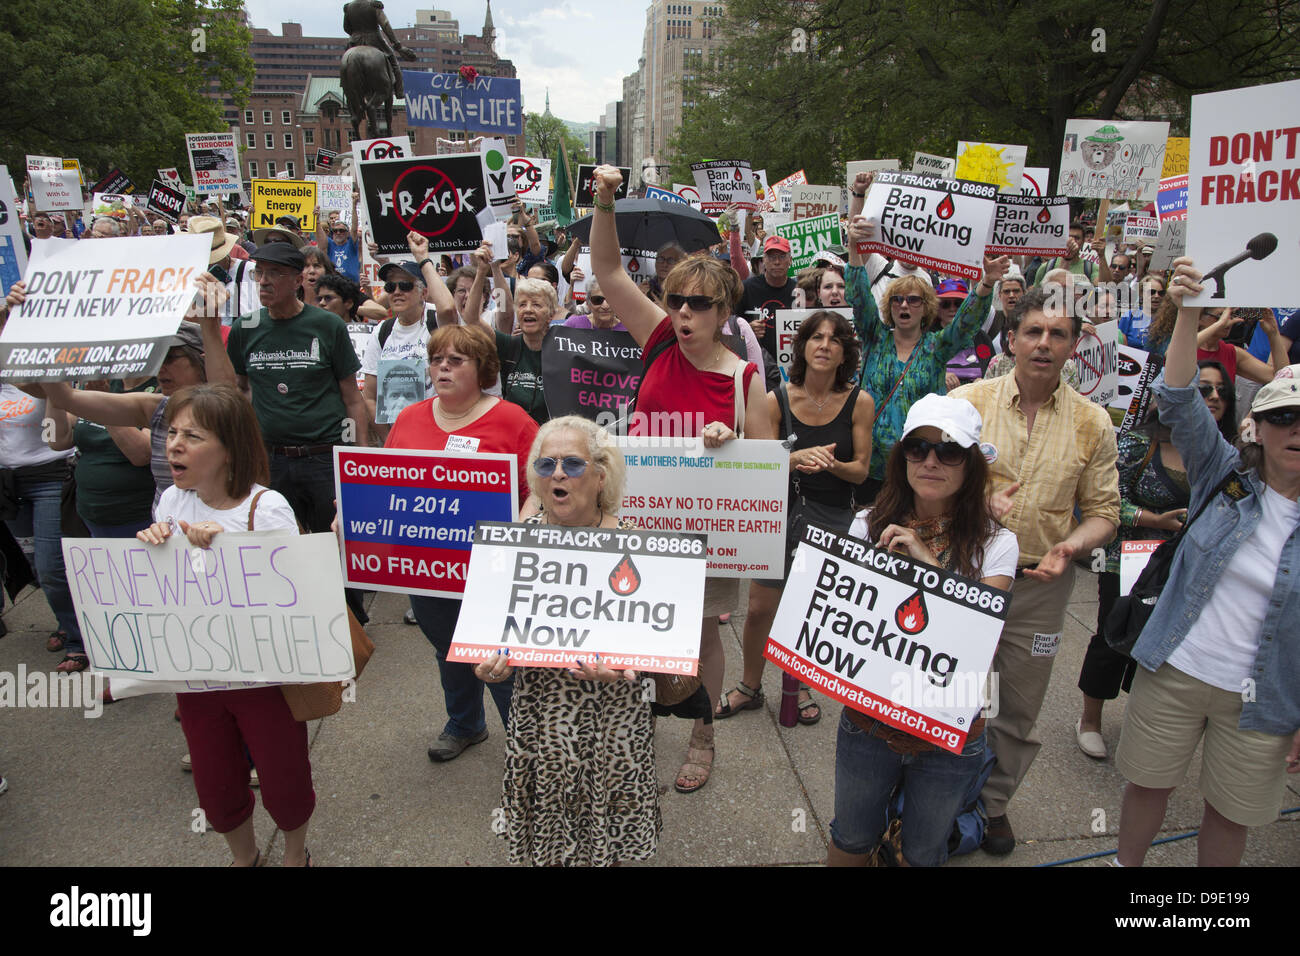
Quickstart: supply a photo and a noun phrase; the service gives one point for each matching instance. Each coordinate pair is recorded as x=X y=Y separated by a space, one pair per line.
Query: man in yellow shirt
x=1052 y=450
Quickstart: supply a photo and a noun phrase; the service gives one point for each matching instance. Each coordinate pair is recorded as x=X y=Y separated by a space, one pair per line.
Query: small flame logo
x=1044 y=215
x=625 y=578
x=739 y=178
x=633 y=265
x=945 y=209
x=911 y=616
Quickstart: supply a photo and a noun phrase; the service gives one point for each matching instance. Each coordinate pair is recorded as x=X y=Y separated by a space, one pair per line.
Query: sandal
x=695 y=770
x=804 y=718
x=257 y=861
x=56 y=641
x=73 y=663
x=755 y=701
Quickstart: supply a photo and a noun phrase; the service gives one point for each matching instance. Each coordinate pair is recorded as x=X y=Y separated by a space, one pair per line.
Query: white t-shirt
x=1001 y=551
x=876 y=265
x=273 y=512
x=22 y=423
x=404 y=341
x=1221 y=645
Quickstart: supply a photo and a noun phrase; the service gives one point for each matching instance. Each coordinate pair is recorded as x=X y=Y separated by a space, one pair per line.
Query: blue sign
x=488 y=104
x=667 y=195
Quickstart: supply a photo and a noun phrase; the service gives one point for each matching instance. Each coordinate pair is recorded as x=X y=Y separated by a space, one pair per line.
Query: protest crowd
x=936 y=414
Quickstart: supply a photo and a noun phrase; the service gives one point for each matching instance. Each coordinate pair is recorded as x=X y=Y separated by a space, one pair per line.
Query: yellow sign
x=75 y=164
x=1176 y=151
x=273 y=198
x=1000 y=164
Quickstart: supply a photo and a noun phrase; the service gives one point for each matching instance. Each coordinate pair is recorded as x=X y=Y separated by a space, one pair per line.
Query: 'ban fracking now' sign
x=941 y=224
x=1028 y=225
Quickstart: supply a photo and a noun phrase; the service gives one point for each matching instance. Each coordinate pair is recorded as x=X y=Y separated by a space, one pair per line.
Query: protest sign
x=1137 y=371
x=1034 y=181
x=665 y=195
x=807 y=202
x=583 y=194
x=439 y=197
x=1243 y=187
x=486 y=104
x=1171 y=200
x=721 y=182
x=214 y=162
x=787 y=327
x=75 y=164
x=1177 y=152
x=273 y=198
x=101 y=309
x=111 y=206
x=763 y=192
x=736 y=494
x=689 y=193
x=532 y=179
x=638 y=263
x=165 y=201
x=931 y=165
x=903 y=642
x=809 y=237
x=549 y=593
x=799 y=178
x=265 y=607
x=1115 y=219
x=325 y=158
x=1171 y=244
x=334 y=194
x=867 y=166
x=1110 y=159
x=998 y=163
x=773 y=219
x=13 y=252
x=1097 y=354
x=941 y=224
x=115 y=182
x=1030 y=226
x=1133 y=558
x=399 y=382
x=53 y=187
x=587 y=371
x=1141 y=228
x=498 y=177
x=171 y=177
x=359 y=333
x=408 y=517
x=384 y=148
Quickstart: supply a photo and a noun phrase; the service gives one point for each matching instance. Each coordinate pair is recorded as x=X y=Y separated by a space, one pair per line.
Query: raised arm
x=960 y=333
x=322 y=234
x=738 y=261
x=1180 y=355
x=435 y=290
x=206 y=311
x=638 y=313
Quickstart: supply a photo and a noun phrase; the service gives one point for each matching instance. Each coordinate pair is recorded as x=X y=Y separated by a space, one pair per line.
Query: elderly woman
x=1220 y=655
x=601 y=315
x=580 y=786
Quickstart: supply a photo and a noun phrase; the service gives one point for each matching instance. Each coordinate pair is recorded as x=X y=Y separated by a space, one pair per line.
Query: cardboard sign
x=1177 y=153
x=440 y=197
x=325 y=158
x=1171 y=200
x=408 y=516
x=1170 y=244
x=214 y=162
x=265 y=607
x=165 y=201
x=1137 y=371
x=867 y=166
x=1243 y=186
x=589 y=371
x=273 y=198
x=583 y=193
x=532 y=179
x=1034 y=181
x=941 y=224
x=1133 y=558
x=809 y=237
x=115 y=182
x=665 y=195
x=787 y=327
x=1098 y=356
x=722 y=182
x=488 y=104
x=903 y=642
x=1110 y=159
x=53 y=187
x=13 y=252
x=930 y=165
x=997 y=163
x=1029 y=226
x=101 y=309
x=1141 y=228
x=550 y=593
x=334 y=194
x=808 y=202
x=735 y=494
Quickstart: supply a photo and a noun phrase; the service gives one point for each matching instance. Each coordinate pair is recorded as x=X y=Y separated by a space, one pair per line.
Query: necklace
x=820 y=405
x=455 y=418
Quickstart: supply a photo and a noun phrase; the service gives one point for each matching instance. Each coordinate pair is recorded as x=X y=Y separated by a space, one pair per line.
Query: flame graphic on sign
x=911 y=616
x=633 y=266
x=1044 y=215
x=625 y=578
x=945 y=209
x=739 y=178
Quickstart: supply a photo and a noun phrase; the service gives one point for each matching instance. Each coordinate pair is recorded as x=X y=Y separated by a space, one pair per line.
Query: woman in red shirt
x=689 y=390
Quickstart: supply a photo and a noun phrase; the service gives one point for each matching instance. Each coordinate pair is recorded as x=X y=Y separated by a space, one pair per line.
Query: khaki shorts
x=1243 y=772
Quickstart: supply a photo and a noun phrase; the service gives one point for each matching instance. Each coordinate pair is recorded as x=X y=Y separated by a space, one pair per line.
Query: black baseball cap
x=290 y=221
x=280 y=253
x=187 y=336
x=408 y=267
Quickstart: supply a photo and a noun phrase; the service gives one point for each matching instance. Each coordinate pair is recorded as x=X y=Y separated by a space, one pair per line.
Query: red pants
x=218 y=725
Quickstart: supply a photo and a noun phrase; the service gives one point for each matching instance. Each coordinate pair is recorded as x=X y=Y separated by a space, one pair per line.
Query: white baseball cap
x=955 y=417
x=1282 y=392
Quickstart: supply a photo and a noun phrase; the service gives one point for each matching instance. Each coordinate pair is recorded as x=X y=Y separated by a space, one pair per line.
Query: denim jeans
x=462 y=691
x=116 y=530
x=40 y=515
x=934 y=782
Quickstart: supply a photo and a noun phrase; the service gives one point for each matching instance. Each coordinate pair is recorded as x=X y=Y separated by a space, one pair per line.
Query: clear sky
x=577 y=48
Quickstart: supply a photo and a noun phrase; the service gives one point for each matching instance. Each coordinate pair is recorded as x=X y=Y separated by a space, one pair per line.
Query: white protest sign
x=214 y=162
x=689 y=193
x=395 y=147
x=735 y=494
x=931 y=165
x=763 y=192
x=808 y=237
x=103 y=309
x=264 y=607
x=1141 y=228
x=722 y=182
x=773 y=219
x=866 y=166
x=1170 y=244
x=13 y=252
x=807 y=202
x=53 y=187
x=532 y=179
x=1029 y=226
x=1133 y=558
x=334 y=193
x=787 y=327
x=550 y=593
x=498 y=175
x=171 y=177
x=940 y=224
x=903 y=642
x=1097 y=355
x=1243 y=196
x=1001 y=164
x=1034 y=180
x=1110 y=159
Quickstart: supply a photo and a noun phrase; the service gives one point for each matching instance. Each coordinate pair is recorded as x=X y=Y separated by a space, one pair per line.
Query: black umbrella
x=650 y=223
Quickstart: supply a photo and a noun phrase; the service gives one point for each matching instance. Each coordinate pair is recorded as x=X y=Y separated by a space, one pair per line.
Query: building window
x=270 y=141
x=510 y=142
x=311 y=164
x=351 y=137
x=285 y=118
x=251 y=140
x=288 y=140
x=309 y=137
x=410 y=134
x=289 y=167
x=252 y=169
x=270 y=168
x=248 y=117
x=266 y=117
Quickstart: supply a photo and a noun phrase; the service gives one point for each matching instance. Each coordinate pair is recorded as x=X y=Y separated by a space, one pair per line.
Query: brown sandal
x=695 y=770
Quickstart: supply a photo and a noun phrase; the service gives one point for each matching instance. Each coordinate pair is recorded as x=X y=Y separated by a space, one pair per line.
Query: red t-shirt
x=506 y=429
x=1226 y=355
x=673 y=385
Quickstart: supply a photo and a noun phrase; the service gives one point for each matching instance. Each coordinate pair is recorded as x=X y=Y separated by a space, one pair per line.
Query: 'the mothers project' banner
x=938 y=223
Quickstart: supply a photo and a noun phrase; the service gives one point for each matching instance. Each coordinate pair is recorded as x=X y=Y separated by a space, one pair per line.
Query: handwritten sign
x=867 y=166
x=1177 y=153
x=1028 y=225
x=214 y=162
x=273 y=198
x=487 y=104
x=931 y=165
x=589 y=371
x=808 y=202
x=1170 y=244
x=1097 y=354
x=334 y=194
x=998 y=163
x=1110 y=159
x=722 y=182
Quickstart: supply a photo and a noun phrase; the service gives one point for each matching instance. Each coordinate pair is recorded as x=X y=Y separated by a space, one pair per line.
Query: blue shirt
x=1134 y=325
x=346 y=257
x=1210 y=543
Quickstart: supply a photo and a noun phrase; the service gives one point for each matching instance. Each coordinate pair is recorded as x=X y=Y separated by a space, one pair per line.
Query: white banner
x=1029 y=226
x=53 y=187
x=941 y=224
x=722 y=182
x=1098 y=357
x=214 y=162
x=807 y=202
x=1110 y=159
x=532 y=179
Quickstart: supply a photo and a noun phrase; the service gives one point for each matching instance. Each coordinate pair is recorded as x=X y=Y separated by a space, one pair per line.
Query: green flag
x=560 y=196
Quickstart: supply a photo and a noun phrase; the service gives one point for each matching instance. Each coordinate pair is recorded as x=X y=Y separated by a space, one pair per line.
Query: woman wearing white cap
x=933 y=509
x=1220 y=654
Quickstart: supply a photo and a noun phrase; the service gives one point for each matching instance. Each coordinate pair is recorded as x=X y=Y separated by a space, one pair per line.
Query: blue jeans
x=462 y=691
x=934 y=782
x=116 y=530
x=40 y=516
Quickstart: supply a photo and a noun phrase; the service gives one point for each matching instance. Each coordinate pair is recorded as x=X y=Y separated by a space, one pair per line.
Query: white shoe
x=186 y=765
x=1091 y=743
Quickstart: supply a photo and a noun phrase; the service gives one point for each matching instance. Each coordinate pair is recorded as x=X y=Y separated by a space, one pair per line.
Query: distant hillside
x=580 y=129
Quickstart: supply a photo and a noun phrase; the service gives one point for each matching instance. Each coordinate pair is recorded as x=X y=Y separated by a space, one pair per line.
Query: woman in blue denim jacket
x=1220 y=654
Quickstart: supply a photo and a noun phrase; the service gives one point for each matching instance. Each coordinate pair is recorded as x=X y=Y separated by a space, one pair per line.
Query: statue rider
x=362 y=22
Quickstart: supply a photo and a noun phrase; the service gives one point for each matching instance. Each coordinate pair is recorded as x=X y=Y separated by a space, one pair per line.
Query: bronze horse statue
x=368 y=90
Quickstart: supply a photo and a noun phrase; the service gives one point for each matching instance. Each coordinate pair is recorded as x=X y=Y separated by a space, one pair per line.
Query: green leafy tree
x=118 y=82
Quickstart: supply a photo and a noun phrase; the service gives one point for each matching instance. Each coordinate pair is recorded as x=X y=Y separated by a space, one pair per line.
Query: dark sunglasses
x=948 y=452
x=1208 y=390
x=698 y=303
x=404 y=285
x=1281 y=417
x=572 y=465
x=597 y=299
x=909 y=299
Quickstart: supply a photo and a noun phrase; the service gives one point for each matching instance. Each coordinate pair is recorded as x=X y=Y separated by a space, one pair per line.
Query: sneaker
x=998 y=838
x=186 y=765
x=409 y=618
x=448 y=747
x=4 y=784
x=252 y=778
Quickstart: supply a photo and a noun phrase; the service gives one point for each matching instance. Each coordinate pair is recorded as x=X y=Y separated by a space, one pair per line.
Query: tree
x=118 y=82
x=543 y=134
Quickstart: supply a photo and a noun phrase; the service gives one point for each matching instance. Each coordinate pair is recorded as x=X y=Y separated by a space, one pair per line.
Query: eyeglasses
x=404 y=285
x=572 y=466
x=598 y=299
x=909 y=299
x=918 y=450
x=1281 y=417
x=455 y=361
x=1207 y=390
x=698 y=303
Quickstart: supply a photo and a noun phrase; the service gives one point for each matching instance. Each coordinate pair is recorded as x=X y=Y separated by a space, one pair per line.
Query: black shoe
x=998 y=838
x=409 y=617
x=448 y=747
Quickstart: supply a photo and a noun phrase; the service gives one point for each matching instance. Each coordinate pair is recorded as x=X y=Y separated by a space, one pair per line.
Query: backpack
x=386 y=327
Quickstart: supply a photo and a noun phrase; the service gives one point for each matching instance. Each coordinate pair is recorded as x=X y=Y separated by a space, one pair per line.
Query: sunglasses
x=698 y=303
x=597 y=299
x=948 y=452
x=1208 y=390
x=1281 y=417
x=404 y=285
x=572 y=465
x=909 y=299
x=455 y=361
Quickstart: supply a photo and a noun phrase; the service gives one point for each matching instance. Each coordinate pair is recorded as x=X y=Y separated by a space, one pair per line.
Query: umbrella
x=650 y=223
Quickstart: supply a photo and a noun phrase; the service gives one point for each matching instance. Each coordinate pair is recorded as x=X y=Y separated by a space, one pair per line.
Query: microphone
x=1261 y=247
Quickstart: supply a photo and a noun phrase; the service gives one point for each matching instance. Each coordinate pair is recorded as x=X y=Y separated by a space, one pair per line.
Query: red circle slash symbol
x=440 y=183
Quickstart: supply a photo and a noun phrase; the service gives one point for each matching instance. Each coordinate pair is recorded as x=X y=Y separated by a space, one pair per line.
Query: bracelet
x=859 y=195
x=602 y=206
x=1137 y=518
x=425 y=262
